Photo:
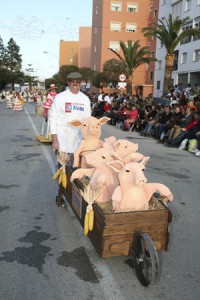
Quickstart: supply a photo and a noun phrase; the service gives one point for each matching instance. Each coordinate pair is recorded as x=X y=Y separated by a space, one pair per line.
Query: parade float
x=121 y=212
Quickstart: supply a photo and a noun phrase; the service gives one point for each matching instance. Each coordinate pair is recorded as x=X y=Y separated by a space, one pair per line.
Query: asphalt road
x=43 y=252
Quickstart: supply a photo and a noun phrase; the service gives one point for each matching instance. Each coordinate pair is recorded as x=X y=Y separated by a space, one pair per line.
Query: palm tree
x=170 y=33
x=133 y=57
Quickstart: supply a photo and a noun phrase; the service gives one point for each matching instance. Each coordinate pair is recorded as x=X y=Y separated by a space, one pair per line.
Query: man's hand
x=55 y=143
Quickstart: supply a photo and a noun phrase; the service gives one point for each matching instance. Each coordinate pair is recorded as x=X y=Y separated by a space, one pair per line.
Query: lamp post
x=46 y=52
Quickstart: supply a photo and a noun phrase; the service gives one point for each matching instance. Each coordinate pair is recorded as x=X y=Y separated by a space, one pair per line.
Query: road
x=43 y=252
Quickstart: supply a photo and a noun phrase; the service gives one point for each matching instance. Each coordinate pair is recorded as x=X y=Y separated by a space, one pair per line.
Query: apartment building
x=68 y=53
x=115 y=21
x=187 y=54
x=153 y=18
x=84 y=49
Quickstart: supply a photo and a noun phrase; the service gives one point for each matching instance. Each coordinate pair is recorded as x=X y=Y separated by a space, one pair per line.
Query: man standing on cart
x=67 y=106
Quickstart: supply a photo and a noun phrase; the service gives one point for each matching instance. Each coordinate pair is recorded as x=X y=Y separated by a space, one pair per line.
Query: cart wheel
x=145 y=259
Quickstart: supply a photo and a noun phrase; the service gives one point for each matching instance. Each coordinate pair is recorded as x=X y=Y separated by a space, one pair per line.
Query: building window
x=95 y=48
x=151 y=75
x=114 y=45
x=188 y=38
x=152 y=54
x=130 y=27
x=158 y=85
x=159 y=64
x=187 y=4
x=97 y=10
x=95 y=30
x=95 y=66
x=132 y=7
x=161 y=44
x=115 y=26
x=197 y=26
x=155 y=14
x=147 y=67
x=196 y=56
x=116 y=6
x=176 y=56
x=184 y=58
x=151 y=5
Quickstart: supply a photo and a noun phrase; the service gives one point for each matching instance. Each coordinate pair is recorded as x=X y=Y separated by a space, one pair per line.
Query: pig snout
x=141 y=180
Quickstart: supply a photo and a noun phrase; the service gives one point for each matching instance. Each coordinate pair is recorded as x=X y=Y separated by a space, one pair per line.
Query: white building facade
x=187 y=54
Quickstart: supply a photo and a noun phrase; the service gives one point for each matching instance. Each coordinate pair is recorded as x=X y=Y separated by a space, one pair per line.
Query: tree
x=13 y=61
x=64 y=71
x=133 y=57
x=170 y=33
x=99 y=80
x=112 y=68
x=87 y=74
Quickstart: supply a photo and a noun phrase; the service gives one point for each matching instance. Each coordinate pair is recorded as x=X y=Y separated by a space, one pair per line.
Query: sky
x=38 y=26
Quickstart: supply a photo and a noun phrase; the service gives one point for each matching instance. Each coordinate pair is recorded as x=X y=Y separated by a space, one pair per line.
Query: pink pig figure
x=102 y=177
x=91 y=132
x=134 y=193
x=125 y=149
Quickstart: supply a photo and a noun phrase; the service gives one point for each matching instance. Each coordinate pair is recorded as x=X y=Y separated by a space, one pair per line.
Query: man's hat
x=52 y=86
x=74 y=75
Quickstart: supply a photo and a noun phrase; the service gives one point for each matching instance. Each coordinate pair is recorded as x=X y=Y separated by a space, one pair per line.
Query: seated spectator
x=197 y=150
x=174 y=120
x=131 y=115
x=183 y=123
x=161 y=124
x=153 y=120
x=141 y=116
x=106 y=109
x=98 y=110
x=117 y=113
x=188 y=133
x=191 y=105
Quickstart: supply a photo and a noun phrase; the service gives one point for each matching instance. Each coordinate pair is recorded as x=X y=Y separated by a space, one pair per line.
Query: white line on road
x=107 y=282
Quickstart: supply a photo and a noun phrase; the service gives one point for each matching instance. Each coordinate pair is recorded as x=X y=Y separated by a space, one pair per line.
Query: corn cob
x=60 y=178
x=57 y=173
x=64 y=180
x=91 y=219
x=86 y=223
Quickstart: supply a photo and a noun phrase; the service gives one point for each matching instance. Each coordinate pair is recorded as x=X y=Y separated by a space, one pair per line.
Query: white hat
x=52 y=86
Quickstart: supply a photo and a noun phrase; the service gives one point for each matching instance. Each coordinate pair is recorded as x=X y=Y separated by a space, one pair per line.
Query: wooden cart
x=141 y=234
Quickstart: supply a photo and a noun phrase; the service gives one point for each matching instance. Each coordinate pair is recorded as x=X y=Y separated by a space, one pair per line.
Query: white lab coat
x=65 y=108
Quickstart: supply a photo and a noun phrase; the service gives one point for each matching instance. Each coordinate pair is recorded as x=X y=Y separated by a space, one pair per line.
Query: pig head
x=127 y=151
x=91 y=133
x=102 y=177
x=133 y=192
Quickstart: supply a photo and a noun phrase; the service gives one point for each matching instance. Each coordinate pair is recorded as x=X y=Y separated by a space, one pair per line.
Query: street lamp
x=46 y=52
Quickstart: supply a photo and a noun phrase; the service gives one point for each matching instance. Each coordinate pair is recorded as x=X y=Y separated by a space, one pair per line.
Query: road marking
x=107 y=282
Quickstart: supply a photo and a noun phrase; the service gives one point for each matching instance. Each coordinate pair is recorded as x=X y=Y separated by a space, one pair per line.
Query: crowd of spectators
x=176 y=124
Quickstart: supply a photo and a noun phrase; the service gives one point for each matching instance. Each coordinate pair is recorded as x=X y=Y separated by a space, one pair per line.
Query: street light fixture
x=46 y=52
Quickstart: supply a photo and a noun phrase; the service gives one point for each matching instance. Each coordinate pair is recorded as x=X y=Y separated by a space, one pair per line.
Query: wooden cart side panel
x=158 y=227
x=137 y=216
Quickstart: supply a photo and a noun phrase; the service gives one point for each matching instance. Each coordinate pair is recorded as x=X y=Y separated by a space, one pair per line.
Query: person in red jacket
x=132 y=115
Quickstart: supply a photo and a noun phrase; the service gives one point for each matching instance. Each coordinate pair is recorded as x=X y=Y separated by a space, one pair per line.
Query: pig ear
x=103 y=120
x=136 y=147
x=111 y=139
x=116 y=145
x=115 y=155
x=116 y=165
x=75 y=123
x=145 y=160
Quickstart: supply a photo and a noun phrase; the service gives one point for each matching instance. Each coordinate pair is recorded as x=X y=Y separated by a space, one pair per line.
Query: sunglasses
x=75 y=80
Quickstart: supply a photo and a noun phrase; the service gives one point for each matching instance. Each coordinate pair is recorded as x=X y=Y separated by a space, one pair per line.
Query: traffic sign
x=121 y=86
x=122 y=77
